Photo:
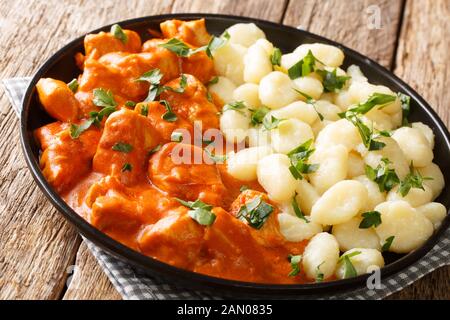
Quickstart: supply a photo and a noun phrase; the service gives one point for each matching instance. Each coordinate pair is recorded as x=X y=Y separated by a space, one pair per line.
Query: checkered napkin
x=132 y=284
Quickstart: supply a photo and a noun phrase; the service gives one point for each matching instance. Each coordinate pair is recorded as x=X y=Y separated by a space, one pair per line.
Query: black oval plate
x=62 y=66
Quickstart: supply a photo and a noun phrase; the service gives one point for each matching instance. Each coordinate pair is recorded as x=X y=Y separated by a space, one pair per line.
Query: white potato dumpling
x=355 y=165
x=245 y=34
x=310 y=86
x=437 y=182
x=290 y=134
x=234 y=125
x=415 y=197
x=289 y=59
x=319 y=125
x=392 y=152
x=340 y=203
x=274 y=176
x=341 y=132
x=414 y=145
x=320 y=256
x=224 y=89
x=409 y=227
x=307 y=196
x=266 y=45
x=343 y=99
x=258 y=137
x=328 y=110
x=248 y=93
x=257 y=63
x=330 y=55
x=349 y=236
x=229 y=62
x=295 y=229
x=375 y=196
x=426 y=131
x=435 y=212
x=328 y=96
x=333 y=167
x=276 y=90
x=378 y=119
x=296 y=110
x=356 y=74
x=363 y=262
x=242 y=165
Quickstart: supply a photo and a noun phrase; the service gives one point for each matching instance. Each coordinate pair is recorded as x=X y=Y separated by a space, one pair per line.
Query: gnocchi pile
x=335 y=153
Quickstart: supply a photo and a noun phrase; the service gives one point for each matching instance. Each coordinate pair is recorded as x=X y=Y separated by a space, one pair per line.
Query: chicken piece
x=193 y=32
x=269 y=234
x=176 y=239
x=127 y=138
x=65 y=160
x=155 y=112
x=118 y=72
x=58 y=100
x=193 y=103
x=180 y=170
x=200 y=66
x=96 y=45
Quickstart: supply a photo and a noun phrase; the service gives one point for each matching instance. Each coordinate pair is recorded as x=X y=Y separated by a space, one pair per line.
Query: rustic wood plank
x=350 y=22
x=422 y=58
x=263 y=9
x=37 y=244
x=88 y=281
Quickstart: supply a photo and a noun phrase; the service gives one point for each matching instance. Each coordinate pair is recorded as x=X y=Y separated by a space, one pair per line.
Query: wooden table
x=38 y=248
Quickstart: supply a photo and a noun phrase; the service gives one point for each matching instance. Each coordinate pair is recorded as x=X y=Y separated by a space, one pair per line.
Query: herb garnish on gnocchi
x=226 y=156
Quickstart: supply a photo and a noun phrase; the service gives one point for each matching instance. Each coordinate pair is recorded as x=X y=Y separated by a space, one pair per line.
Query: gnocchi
x=321 y=256
x=276 y=90
x=294 y=229
x=362 y=259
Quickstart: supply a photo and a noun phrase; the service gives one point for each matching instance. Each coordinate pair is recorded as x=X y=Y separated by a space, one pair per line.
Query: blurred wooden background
x=38 y=248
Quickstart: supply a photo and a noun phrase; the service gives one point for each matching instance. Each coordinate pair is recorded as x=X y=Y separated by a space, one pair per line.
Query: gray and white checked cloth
x=132 y=284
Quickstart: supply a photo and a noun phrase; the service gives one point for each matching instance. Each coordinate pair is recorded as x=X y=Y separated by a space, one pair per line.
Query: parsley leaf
x=257 y=115
x=385 y=177
x=243 y=188
x=118 y=33
x=298 y=212
x=405 y=101
x=299 y=157
x=319 y=274
x=103 y=98
x=76 y=130
x=183 y=50
x=153 y=77
x=376 y=99
x=413 y=180
x=271 y=122
x=169 y=115
x=238 y=106
x=178 y=47
x=73 y=85
x=144 y=110
x=213 y=81
x=304 y=67
x=310 y=100
x=275 y=57
x=370 y=219
x=130 y=104
x=122 y=147
x=387 y=244
x=256 y=212
x=127 y=167
x=215 y=157
x=295 y=265
x=331 y=81
x=200 y=211
x=349 y=269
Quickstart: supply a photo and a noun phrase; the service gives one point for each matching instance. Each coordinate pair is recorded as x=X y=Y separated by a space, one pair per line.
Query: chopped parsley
x=349 y=269
x=304 y=67
x=310 y=100
x=127 y=167
x=387 y=244
x=214 y=80
x=413 y=180
x=130 y=104
x=271 y=122
x=154 y=77
x=243 y=188
x=217 y=158
x=155 y=149
x=73 y=85
x=405 y=101
x=384 y=176
x=256 y=212
x=331 y=81
x=376 y=99
x=200 y=211
x=298 y=212
x=176 y=136
x=118 y=33
x=295 y=264
x=370 y=219
x=238 y=106
x=319 y=274
x=257 y=115
x=144 y=110
x=275 y=57
x=299 y=157
x=169 y=115
x=103 y=98
x=122 y=147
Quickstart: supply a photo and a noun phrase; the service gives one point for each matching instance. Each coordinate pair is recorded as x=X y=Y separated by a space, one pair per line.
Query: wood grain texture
x=351 y=23
x=422 y=61
x=88 y=281
x=38 y=247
